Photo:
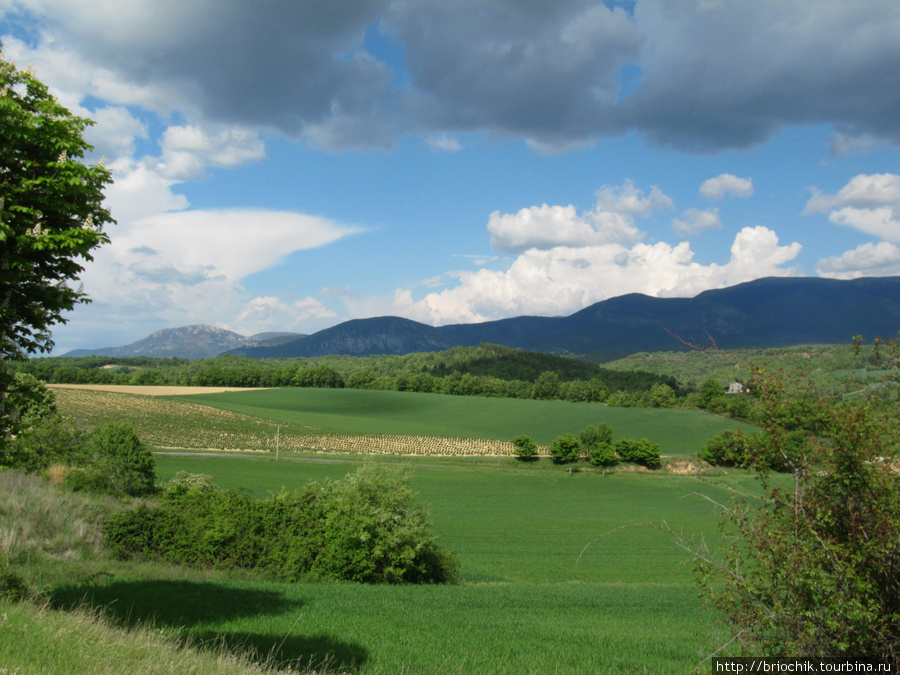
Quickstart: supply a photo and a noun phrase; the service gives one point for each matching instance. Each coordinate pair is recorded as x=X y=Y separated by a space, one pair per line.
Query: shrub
x=593 y=436
x=565 y=449
x=47 y=440
x=642 y=452
x=119 y=461
x=724 y=449
x=604 y=455
x=812 y=570
x=362 y=528
x=526 y=449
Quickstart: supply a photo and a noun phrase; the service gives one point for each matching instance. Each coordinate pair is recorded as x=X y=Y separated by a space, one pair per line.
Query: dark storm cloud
x=547 y=71
x=698 y=75
x=720 y=74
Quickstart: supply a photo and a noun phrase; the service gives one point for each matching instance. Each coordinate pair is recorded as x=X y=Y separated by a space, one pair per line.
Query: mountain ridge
x=767 y=312
x=198 y=341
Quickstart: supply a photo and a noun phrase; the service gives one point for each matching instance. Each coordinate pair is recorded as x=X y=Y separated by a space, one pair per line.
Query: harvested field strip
x=174 y=423
x=153 y=390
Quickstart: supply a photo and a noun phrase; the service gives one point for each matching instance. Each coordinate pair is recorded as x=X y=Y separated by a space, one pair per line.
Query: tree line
x=489 y=370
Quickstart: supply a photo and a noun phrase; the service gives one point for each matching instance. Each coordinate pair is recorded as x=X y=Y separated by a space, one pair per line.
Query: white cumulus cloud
x=866 y=260
x=696 y=220
x=725 y=184
x=565 y=279
x=869 y=203
x=547 y=226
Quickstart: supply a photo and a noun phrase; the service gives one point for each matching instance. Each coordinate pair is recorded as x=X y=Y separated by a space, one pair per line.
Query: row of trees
x=240 y=372
x=593 y=444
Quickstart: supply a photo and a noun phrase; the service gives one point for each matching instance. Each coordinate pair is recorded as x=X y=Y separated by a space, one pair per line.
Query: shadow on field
x=191 y=606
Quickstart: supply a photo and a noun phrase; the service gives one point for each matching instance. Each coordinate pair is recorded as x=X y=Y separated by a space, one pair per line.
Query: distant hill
x=189 y=342
x=769 y=312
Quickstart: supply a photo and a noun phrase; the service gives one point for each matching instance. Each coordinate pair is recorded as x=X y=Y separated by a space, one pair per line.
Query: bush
x=642 y=452
x=526 y=449
x=604 y=455
x=812 y=570
x=593 y=436
x=724 y=449
x=565 y=449
x=119 y=462
x=362 y=528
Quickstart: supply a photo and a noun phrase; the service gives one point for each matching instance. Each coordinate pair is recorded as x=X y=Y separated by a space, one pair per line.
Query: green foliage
x=41 y=435
x=116 y=461
x=725 y=449
x=813 y=571
x=593 y=436
x=51 y=218
x=643 y=452
x=662 y=396
x=604 y=455
x=546 y=386
x=565 y=449
x=487 y=370
x=526 y=449
x=51 y=439
x=362 y=528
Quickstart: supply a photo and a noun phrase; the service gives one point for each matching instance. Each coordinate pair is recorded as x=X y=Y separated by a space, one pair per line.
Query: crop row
x=175 y=423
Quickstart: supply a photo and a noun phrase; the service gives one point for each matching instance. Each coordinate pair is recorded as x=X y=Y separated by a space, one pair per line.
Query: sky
x=290 y=165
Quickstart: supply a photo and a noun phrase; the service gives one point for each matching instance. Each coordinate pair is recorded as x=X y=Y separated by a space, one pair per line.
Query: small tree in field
x=565 y=449
x=118 y=462
x=593 y=436
x=643 y=452
x=526 y=449
x=604 y=455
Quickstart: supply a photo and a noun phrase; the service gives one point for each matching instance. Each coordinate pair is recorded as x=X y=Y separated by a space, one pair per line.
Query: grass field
x=390 y=412
x=561 y=574
x=375 y=422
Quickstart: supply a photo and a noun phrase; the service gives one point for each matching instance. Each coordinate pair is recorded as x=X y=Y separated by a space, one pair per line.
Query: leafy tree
x=643 y=452
x=604 y=455
x=546 y=386
x=51 y=218
x=726 y=449
x=593 y=436
x=814 y=569
x=711 y=393
x=526 y=449
x=663 y=396
x=565 y=449
x=117 y=462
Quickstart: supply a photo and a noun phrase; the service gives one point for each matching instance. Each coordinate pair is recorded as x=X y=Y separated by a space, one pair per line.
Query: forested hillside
x=486 y=370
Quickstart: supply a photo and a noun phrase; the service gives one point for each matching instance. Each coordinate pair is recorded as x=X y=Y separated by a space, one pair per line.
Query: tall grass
x=37 y=639
x=49 y=532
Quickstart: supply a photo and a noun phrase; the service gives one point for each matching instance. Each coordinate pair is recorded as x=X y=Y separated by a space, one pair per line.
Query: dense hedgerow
x=362 y=528
x=642 y=452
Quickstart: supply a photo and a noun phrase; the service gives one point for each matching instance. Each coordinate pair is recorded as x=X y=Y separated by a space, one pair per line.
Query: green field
x=678 y=432
x=562 y=573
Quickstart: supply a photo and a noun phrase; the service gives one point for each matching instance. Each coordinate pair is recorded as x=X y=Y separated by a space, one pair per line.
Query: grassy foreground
x=561 y=573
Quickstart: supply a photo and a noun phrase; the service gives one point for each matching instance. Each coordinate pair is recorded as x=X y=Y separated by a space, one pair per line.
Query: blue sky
x=292 y=165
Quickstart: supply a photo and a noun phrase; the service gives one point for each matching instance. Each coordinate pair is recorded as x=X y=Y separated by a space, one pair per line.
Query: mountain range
x=769 y=312
x=189 y=342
